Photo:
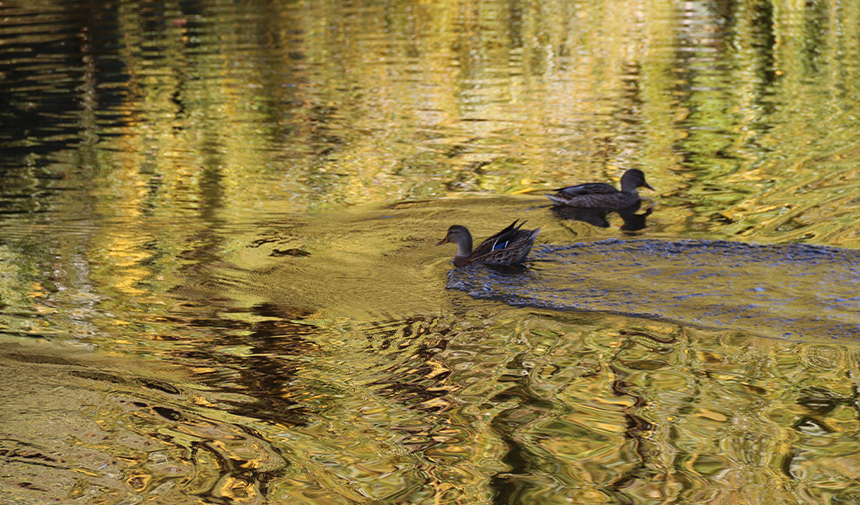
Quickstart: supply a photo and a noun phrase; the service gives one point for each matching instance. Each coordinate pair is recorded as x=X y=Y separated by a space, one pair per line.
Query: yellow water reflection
x=352 y=106
x=453 y=451
x=219 y=283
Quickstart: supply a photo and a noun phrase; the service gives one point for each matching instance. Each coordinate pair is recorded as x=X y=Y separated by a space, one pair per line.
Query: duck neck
x=464 y=247
x=628 y=185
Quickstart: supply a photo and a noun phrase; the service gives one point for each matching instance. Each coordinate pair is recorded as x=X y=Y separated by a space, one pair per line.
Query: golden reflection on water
x=350 y=106
x=219 y=284
x=526 y=406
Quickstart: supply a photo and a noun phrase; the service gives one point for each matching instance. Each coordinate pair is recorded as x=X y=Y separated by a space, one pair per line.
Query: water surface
x=220 y=283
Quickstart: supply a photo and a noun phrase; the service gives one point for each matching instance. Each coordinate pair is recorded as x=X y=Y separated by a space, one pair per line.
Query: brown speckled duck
x=508 y=247
x=602 y=195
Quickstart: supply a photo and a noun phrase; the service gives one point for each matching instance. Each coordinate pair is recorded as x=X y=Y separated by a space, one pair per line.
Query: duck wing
x=587 y=191
x=607 y=201
x=498 y=241
x=511 y=252
x=589 y=188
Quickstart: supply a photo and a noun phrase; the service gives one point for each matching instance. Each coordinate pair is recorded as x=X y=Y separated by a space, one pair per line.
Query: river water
x=220 y=282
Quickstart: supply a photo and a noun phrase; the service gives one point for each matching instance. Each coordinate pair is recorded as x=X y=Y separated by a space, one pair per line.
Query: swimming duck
x=602 y=195
x=508 y=247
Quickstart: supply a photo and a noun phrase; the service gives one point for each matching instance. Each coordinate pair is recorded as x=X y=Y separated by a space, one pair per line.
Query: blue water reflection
x=792 y=291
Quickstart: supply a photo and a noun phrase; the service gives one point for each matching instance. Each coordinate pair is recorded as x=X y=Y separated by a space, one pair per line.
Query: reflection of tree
x=300 y=107
x=267 y=379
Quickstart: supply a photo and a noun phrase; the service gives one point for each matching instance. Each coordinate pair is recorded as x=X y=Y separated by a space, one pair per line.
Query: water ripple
x=790 y=291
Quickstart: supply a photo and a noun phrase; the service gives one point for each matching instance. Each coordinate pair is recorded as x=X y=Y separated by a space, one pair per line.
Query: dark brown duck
x=508 y=247
x=601 y=195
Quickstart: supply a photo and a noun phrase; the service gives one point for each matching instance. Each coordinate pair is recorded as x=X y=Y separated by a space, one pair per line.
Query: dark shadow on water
x=265 y=377
x=599 y=217
x=507 y=269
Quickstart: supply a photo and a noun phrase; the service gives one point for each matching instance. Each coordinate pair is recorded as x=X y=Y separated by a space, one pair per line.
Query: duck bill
x=444 y=241
x=649 y=187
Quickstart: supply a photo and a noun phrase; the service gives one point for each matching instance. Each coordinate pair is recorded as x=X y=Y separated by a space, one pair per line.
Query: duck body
x=600 y=195
x=508 y=247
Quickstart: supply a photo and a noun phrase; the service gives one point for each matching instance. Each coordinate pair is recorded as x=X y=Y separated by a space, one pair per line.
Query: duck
x=508 y=247
x=602 y=195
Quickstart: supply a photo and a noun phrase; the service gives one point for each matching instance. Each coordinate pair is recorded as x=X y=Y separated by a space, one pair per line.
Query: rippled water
x=791 y=291
x=220 y=282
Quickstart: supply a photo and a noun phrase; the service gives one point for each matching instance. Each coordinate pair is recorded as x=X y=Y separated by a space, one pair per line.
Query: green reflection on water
x=743 y=127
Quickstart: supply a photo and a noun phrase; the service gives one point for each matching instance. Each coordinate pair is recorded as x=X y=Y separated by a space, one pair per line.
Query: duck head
x=632 y=179
x=459 y=235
